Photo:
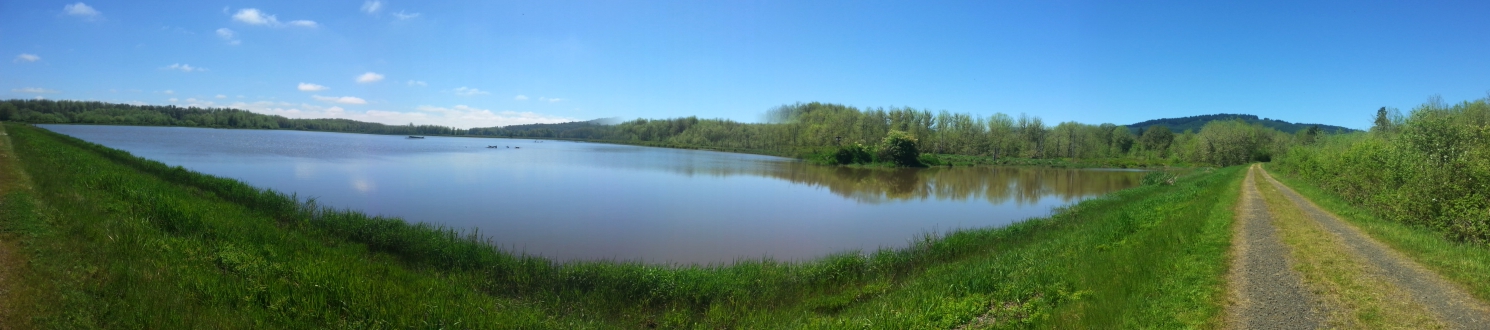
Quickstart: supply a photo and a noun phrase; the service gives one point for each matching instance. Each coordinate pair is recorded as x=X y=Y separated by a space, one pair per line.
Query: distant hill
x=1194 y=123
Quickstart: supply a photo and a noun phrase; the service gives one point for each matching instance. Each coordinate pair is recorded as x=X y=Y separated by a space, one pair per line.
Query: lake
x=586 y=201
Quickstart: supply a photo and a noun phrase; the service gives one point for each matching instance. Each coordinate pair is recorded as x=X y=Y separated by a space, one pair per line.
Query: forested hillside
x=1194 y=123
x=796 y=130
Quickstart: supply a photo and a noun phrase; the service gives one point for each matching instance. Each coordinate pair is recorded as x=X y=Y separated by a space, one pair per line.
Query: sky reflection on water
x=569 y=200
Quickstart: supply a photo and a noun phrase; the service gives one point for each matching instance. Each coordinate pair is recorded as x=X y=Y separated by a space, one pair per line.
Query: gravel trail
x=1266 y=292
x=1453 y=305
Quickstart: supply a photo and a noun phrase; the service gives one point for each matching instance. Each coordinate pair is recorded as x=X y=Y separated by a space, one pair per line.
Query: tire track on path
x=1266 y=292
x=1452 y=304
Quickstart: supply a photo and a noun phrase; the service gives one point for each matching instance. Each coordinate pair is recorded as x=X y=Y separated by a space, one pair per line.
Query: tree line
x=800 y=130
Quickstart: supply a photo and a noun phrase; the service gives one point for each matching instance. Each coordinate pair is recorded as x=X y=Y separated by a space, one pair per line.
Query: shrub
x=853 y=154
x=900 y=148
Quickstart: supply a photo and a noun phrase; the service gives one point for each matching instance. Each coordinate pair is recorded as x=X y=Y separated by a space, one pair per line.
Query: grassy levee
x=1465 y=263
x=130 y=242
x=1149 y=257
x=111 y=247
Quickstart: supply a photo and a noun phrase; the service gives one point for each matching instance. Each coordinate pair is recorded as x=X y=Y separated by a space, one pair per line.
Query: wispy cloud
x=183 y=68
x=372 y=7
x=228 y=36
x=520 y=97
x=403 y=16
x=369 y=77
x=309 y=87
x=82 y=10
x=550 y=100
x=35 y=90
x=27 y=58
x=463 y=116
x=419 y=83
x=168 y=92
x=467 y=91
x=252 y=16
x=459 y=116
x=220 y=96
x=342 y=100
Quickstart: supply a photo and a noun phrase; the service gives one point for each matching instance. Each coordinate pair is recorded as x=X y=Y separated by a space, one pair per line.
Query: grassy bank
x=129 y=242
x=1462 y=262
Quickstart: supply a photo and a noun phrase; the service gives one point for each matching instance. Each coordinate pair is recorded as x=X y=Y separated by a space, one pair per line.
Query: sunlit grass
x=130 y=242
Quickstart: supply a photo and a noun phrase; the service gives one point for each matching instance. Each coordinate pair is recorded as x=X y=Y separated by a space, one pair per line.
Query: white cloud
x=417 y=83
x=228 y=35
x=403 y=16
x=183 y=68
x=369 y=77
x=309 y=87
x=34 y=90
x=173 y=100
x=253 y=16
x=27 y=58
x=371 y=7
x=459 y=116
x=168 y=92
x=462 y=116
x=520 y=97
x=342 y=100
x=220 y=96
x=467 y=91
x=550 y=100
x=81 y=10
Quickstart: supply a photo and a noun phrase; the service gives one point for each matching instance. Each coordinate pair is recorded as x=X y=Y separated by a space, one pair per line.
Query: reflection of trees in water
x=997 y=185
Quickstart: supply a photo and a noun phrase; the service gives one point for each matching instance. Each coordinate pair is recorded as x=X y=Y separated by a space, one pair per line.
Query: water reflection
x=582 y=201
x=997 y=185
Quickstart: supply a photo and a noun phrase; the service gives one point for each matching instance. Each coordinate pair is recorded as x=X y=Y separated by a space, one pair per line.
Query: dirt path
x=1266 y=292
x=1451 y=304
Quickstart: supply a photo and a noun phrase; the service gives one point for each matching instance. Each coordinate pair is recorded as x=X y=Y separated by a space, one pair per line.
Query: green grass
x=111 y=247
x=1461 y=262
x=124 y=242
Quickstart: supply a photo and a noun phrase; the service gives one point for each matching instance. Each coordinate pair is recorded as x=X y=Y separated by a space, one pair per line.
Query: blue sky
x=492 y=63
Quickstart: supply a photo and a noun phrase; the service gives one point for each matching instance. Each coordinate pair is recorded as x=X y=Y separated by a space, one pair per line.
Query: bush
x=1432 y=169
x=900 y=148
x=853 y=154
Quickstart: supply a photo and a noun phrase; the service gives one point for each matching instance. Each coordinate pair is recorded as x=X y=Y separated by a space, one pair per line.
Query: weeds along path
x=1266 y=292
x=1451 y=305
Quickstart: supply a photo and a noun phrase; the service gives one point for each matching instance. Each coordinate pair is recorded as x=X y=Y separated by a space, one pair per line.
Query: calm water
x=569 y=200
